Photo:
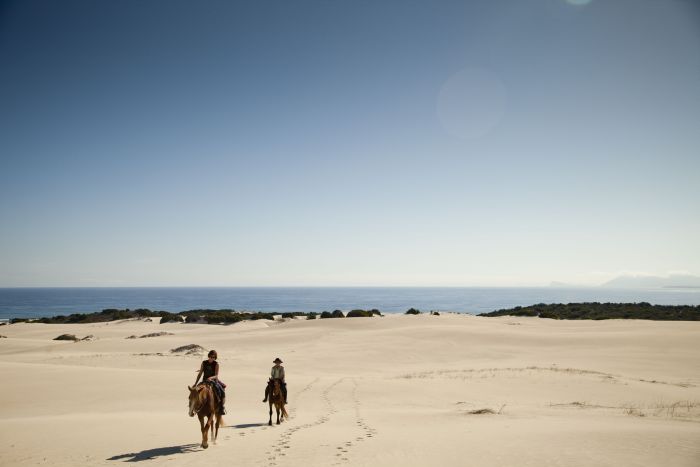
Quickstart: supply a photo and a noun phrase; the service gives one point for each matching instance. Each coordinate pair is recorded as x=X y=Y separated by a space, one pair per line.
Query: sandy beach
x=447 y=390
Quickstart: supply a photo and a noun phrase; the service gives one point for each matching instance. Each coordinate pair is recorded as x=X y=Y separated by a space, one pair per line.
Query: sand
x=449 y=390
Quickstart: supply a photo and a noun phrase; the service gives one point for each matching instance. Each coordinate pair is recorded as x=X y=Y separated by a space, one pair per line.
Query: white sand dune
x=398 y=390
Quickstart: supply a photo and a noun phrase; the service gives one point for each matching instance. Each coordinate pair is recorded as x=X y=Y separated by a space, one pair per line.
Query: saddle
x=221 y=383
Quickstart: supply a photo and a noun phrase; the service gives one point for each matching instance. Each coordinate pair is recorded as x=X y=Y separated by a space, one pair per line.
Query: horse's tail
x=284 y=412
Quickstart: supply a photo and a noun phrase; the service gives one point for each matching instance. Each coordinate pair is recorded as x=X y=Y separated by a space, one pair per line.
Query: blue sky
x=348 y=143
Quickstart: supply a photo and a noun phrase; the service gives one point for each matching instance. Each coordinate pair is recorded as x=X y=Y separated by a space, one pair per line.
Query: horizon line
x=288 y=286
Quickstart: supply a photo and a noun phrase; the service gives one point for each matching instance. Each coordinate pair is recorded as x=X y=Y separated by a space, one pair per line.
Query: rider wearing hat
x=277 y=373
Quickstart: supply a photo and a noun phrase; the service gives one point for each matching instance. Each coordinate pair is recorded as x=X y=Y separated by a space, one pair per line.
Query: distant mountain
x=654 y=282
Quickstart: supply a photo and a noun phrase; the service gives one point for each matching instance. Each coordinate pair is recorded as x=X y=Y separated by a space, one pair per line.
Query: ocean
x=40 y=302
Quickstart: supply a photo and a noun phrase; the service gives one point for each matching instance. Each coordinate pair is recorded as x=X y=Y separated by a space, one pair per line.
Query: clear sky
x=494 y=142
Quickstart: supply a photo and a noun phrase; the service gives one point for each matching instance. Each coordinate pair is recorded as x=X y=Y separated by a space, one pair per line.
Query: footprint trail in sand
x=339 y=427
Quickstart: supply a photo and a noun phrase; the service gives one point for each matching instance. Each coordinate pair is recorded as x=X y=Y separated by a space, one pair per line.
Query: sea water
x=40 y=302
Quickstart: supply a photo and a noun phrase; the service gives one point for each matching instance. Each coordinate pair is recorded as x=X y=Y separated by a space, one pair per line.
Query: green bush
x=170 y=317
x=293 y=314
x=598 y=311
x=359 y=314
x=335 y=314
x=192 y=318
x=412 y=311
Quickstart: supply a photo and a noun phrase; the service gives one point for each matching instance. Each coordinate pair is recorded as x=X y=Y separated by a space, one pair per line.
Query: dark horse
x=203 y=403
x=277 y=399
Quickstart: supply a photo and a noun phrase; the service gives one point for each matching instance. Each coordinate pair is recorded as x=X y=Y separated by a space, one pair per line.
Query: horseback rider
x=277 y=373
x=209 y=371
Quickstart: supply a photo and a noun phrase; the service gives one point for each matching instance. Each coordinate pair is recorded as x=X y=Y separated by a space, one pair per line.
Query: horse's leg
x=211 y=425
x=270 y=421
x=204 y=429
x=206 y=432
x=277 y=408
x=219 y=421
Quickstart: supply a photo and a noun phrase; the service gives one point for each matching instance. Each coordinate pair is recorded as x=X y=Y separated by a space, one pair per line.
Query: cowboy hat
x=277 y=360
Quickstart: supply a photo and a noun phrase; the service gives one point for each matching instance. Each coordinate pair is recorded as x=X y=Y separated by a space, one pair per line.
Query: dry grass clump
x=634 y=411
x=678 y=409
x=582 y=405
x=153 y=334
x=685 y=409
x=189 y=349
x=486 y=411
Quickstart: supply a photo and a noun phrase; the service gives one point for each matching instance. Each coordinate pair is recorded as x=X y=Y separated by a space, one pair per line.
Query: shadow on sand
x=246 y=425
x=149 y=454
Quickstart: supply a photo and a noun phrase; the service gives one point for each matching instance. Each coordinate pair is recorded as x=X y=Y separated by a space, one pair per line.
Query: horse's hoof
x=205 y=446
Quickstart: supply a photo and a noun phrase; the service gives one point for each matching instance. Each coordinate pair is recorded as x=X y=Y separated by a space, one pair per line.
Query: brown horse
x=277 y=399
x=203 y=403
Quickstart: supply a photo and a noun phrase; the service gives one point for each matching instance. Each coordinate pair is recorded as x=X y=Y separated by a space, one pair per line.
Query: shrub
x=293 y=314
x=170 y=317
x=192 y=318
x=222 y=317
x=360 y=314
x=337 y=314
x=66 y=337
x=412 y=311
x=599 y=311
x=325 y=315
x=259 y=315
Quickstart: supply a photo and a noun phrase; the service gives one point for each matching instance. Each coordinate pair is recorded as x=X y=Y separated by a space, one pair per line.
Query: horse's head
x=196 y=402
x=276 y=388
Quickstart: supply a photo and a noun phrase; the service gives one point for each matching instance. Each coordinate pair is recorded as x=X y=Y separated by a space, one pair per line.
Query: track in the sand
x=341 y=414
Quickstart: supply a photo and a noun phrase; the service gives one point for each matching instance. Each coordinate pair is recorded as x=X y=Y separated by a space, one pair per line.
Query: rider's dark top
x=208 y=369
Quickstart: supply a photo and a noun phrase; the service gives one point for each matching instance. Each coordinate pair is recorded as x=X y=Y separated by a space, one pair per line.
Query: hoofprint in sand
x=447 y=390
